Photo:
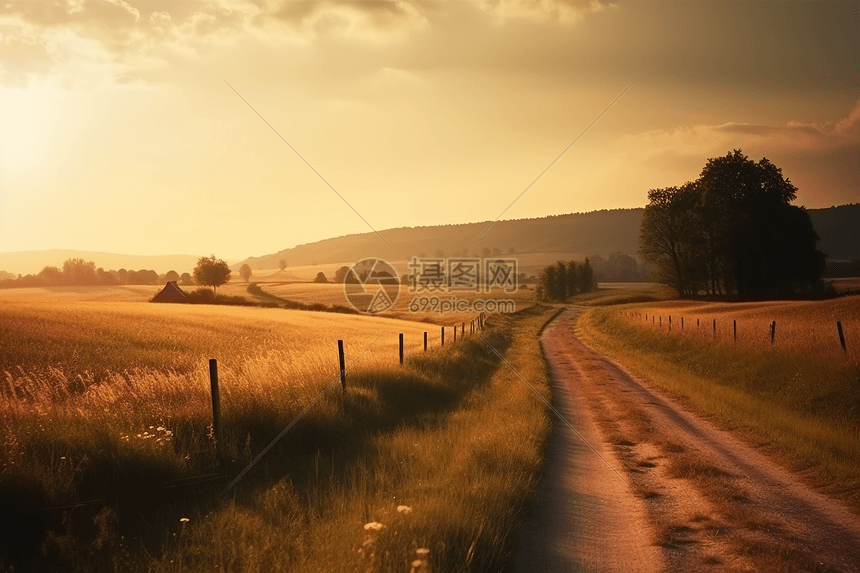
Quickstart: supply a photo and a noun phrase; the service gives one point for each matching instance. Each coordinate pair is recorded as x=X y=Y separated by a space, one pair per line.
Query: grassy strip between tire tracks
x=804 y=407
x=439 y=455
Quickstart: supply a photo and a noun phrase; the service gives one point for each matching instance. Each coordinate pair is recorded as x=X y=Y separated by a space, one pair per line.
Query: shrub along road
x=693 y=497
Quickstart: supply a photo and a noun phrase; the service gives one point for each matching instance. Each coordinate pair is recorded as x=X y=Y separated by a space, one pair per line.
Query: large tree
x=211 y=271
x=245 y=272
x=733 y=230
x=667 y=236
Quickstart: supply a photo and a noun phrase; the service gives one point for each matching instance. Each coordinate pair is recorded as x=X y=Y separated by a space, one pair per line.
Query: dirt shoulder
x=694 y=497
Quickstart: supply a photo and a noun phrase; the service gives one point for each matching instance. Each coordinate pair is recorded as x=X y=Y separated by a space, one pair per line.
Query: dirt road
x=681 y=493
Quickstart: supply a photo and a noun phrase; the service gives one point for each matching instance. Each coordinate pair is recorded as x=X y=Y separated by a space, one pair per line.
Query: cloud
x=821 y=158
x=355 y=18
x=121 y=27
x=791 y=136
x=21 y=55
x=97 y=40
x=746 y=128
x=562 y=11
x=850 y=125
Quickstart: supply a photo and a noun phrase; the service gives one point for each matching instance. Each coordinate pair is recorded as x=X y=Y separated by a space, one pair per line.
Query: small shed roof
x=171 y=293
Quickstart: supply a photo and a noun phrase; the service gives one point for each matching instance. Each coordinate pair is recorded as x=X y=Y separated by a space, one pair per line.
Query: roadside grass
x=804 y=406
x=802 y=327
x=608 y=294
x=450 y=478
x=452 y=435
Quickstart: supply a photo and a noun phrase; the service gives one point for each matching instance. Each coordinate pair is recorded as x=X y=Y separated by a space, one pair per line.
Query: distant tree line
x=562 y=280
x=78 y=272
x=732 y=231
x=620 y=267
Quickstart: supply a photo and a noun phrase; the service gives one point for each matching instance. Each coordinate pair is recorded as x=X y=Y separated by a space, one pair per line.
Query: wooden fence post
x=735 y=329
x=715 y=329
x=216 y=409
x=443 y=336
x=425 y=341
x=670 y=322
x=682 y=323
x=342 y=364
x=841 y=337
x=772 y=332
x=401 y=348
x=455 y=333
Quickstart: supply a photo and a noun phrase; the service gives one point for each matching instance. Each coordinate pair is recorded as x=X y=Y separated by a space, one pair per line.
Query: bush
x=201 y=296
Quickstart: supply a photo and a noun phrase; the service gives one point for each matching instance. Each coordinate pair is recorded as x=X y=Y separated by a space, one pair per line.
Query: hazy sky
x=118 y=132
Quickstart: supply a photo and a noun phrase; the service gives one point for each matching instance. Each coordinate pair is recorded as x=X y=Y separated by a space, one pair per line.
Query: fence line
x=657 y=320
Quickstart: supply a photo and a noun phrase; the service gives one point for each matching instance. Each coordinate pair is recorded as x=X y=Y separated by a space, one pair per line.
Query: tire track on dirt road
x=585 y=517
x=696 y=497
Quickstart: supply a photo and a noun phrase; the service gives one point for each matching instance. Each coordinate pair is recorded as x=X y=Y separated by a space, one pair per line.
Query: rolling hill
x=597 y=232
x=536 y=242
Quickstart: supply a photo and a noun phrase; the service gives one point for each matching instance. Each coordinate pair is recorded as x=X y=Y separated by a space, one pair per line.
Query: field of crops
x=802 y=327
x=106 y=426
x=307 y=293
x=77 y=337
x=78 y=373
x=331 y=294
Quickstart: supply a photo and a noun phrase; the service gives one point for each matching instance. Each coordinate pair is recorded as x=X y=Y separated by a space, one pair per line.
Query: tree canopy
x=732 y=231
x=245 y=272
x=211 y=271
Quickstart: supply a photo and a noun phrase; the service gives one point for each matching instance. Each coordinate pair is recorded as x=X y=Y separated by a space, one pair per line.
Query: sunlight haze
x=119 y=133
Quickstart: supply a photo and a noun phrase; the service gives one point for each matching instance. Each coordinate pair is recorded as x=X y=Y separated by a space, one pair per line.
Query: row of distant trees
x=209 y=271
x=732 y=231
x=562 y=280
x=78 y=272
x=620 y=267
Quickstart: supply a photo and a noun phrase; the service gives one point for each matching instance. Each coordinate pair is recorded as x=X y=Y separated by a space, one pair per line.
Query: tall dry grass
x=802 y=327
x=124 y=426
x=803 y=405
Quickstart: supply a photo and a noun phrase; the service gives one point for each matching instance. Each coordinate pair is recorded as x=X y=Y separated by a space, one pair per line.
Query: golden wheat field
x=74 y=373
x=331 y=294
x=105 y=407
x=119 y=293
x=304 y=292
x=803 y=327
x=120 y=336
